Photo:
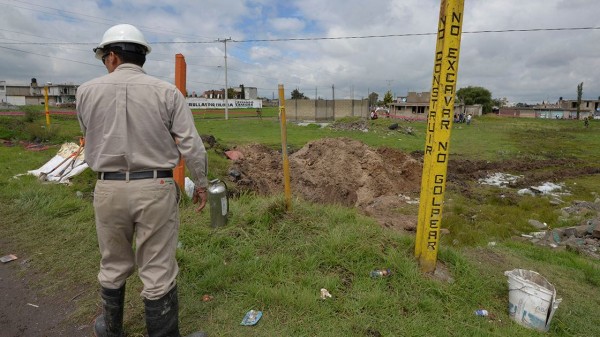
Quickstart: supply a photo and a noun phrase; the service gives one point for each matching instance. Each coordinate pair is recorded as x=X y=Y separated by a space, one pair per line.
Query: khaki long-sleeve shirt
x=130 y=121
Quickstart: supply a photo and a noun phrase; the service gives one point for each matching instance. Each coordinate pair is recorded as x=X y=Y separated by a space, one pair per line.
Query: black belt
x=135 y=175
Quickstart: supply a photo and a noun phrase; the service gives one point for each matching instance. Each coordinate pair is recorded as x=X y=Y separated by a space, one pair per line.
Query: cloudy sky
x=354 y=46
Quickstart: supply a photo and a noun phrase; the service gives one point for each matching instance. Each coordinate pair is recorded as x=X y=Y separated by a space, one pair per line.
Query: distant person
x=374 y=115
x=136 y=127
x=469 y=116
x=586 y=122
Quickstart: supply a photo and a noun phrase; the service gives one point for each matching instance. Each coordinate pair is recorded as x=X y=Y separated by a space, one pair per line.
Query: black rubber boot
x=110 y=322
x=162 y=316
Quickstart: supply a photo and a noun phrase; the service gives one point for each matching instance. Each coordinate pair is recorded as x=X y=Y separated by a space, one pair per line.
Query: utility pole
x=3 y=88
x=226 y=86
x=333 y=97
x=389 y=82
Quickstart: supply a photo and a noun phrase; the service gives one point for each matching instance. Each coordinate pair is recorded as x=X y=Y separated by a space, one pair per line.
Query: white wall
x=16 y=100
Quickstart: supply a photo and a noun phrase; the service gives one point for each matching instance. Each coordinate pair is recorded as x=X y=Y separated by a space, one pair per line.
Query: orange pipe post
x=284 y=152
x=180 y=83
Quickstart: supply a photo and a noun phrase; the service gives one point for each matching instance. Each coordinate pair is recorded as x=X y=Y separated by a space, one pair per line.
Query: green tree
x=296 y=94
x=230 y=93
x=387 y=99
x=579 y=94
x=476 y=95
x=373 y=97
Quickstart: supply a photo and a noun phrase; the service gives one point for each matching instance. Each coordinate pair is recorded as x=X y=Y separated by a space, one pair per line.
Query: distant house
x=563 y=109
x=240 y=92
x=412 y=103
x=33 y=94
x=418 y=103
x=587 y=105
x=214 y=94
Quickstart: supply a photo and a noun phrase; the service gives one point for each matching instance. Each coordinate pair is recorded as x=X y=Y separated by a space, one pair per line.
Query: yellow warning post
x=439 y=125
x=46 y=107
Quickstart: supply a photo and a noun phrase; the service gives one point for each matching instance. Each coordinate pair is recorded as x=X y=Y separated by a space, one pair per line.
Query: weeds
x=277 y=261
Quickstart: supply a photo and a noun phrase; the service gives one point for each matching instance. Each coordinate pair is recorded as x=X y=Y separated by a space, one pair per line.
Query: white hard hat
x=122 y=33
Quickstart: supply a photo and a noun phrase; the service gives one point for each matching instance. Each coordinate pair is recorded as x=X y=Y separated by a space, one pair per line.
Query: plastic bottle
x=481 y=312
x=380 y=273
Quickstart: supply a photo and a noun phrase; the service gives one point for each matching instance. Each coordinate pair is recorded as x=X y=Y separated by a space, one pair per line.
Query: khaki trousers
x=147 y=210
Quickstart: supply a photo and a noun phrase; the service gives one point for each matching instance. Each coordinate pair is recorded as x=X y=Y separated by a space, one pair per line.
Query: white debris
x=64 y=165
x=325 y=294
x=322 y=125
x=189 y=187
x=547 y=188
x=499 y=179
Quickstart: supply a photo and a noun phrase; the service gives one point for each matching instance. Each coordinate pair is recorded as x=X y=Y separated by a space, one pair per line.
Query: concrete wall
x=325 y=110
x=474 y=110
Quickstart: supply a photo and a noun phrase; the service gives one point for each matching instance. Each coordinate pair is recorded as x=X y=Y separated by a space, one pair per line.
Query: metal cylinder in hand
x=218 y=202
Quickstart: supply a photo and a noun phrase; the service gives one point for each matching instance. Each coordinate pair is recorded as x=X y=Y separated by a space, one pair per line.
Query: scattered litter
x=380 y=273
x=207 y=298
x=538 y=235
x=234 y=155
x=8 y=258
x=583 y=239
x=547 y=188
x=67 y=163
x=532 y=299
x=322 y=125
x=252 y=317
x=325 y=294
x=556 y=236
x=189 y=187
x=499 y=179
x=36 y=147
x=409 y=200
x=481 y=312
x=537 y=224
x=492 y=244
x=33 y=305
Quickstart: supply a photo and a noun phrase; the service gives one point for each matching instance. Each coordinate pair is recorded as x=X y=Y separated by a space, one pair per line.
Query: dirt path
x=26 y=312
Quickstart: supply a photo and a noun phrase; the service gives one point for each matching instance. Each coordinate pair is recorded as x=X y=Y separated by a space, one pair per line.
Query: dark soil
x=26 y=311
x=378 y=182
x=336 y=171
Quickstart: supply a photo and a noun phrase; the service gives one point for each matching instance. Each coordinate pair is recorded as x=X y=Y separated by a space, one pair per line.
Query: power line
x=52 y=57
x=67 y=14
x=336 y=38
x=407 y=35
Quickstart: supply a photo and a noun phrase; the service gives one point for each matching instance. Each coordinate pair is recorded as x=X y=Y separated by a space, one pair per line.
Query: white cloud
x=522 y=66
x=287 y=24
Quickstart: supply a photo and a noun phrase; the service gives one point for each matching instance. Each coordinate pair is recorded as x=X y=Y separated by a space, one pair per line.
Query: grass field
x=276 y=261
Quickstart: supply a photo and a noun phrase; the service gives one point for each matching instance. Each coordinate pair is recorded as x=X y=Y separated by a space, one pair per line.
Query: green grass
x=276 y=261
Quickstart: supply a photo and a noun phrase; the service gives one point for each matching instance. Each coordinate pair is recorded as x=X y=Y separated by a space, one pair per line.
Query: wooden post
x=284 y=152
x=180 y=83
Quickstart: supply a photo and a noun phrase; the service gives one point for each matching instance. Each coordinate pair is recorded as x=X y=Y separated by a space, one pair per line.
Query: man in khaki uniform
x=136 y=126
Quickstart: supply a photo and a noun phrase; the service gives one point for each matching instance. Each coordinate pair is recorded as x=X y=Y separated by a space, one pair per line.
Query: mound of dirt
x=339 y=171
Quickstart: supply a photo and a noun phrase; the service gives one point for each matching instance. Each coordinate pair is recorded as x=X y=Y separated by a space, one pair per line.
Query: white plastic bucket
x=531 y=299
